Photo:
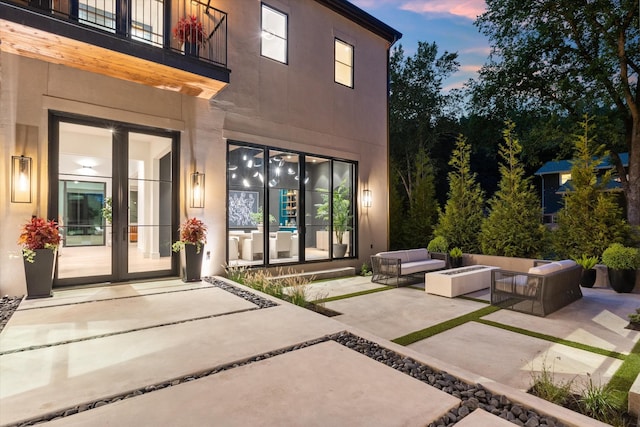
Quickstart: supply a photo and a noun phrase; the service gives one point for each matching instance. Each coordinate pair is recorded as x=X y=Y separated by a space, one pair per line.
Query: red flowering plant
x=192 y=232
x=189 y=29
x=38 y=233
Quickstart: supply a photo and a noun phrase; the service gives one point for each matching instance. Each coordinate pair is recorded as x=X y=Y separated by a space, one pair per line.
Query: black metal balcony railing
x=147 y=21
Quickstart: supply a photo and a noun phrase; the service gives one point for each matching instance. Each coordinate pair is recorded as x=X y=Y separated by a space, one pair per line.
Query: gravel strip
x=7 y=306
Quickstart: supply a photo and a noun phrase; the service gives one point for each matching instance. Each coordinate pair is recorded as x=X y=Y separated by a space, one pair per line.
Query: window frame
x=302 y=203
x=264 y=6
x=336 y=41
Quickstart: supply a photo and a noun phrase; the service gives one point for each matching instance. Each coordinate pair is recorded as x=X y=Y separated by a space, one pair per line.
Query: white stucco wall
x=295 y=106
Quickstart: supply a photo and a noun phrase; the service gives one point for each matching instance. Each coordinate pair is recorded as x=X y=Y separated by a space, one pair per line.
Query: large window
x=286 y=207
x=343 y=63
x=274 y=34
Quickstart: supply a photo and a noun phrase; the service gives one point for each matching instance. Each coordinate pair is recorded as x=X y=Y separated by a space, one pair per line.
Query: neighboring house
x=556 y=180
x=218 y=109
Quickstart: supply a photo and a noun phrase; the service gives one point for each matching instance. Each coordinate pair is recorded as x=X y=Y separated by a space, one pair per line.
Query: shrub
x=456 y=252
x=438 y=244
x=620 y=257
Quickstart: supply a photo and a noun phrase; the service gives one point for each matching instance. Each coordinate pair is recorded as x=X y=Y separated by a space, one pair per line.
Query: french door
x=114 y=194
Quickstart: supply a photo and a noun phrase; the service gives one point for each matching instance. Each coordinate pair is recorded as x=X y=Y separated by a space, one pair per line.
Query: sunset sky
x=448 y=23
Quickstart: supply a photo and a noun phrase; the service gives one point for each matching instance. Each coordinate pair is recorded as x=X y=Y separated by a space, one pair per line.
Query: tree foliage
x=513 y=227
x=567 y=57
x=591 y=219
x=461 y=221
x=423 y=211
x=419 y=131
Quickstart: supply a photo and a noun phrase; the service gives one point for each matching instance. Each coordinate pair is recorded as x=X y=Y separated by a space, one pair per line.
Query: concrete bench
x=394 y=267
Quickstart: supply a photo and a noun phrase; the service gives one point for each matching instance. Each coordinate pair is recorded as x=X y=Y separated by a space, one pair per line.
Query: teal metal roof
x=561 y=166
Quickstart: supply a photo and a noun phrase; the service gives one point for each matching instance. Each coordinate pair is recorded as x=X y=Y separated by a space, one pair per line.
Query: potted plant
x=193 y=236
x=588 y=277
x=456 y=257
x=634 y=320
x=39 y=239
x=190 y=34
x=622 y=263
x=257 y=218
x=341 y=205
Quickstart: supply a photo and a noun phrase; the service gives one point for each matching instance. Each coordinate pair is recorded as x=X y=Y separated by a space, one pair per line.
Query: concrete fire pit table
x=458 y=281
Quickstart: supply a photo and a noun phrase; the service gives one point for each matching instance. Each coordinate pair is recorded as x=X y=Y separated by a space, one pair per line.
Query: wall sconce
x=20 y=179
x=366 y=198
x=197 y=190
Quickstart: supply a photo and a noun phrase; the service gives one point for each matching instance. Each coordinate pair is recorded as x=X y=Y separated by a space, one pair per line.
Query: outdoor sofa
x=396 y=267
x=545 y=288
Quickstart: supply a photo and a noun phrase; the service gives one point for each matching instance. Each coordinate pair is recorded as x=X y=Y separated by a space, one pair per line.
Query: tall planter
x=588 y=277
x=39 y=273
x=622 y=281
x=191 y=263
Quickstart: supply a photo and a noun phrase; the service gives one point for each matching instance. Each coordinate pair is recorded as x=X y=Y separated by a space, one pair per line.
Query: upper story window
x=344 y=63
x=564 y=177
x=274 y=34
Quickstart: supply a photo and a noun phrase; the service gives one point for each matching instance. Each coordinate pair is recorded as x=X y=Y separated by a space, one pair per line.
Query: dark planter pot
x=588 y=278
x=191 y=263
x=39 y=274
x=455 y=262
x=339 y=250
x=191 y=49
x=622 y=281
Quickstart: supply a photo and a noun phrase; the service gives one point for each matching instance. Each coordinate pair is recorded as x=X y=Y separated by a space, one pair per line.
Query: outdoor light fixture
x=366 y=198
x=197 y=190
x=20 y=179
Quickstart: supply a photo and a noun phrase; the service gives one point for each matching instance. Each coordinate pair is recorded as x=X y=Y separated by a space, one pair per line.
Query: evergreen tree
x=513 y=227
x=462 y=218
x=396 y=210
x=423 y=209
x=591 y=219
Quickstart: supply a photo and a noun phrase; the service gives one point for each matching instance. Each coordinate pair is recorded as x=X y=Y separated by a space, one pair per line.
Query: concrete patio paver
x=397 y=312
x=597 y=319
x=59 y=323
x=42 y=380
x=512 y=358
x=62 y=376
x=305 y=387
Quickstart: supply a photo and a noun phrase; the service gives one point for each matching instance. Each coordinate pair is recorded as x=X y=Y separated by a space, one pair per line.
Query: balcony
x=133 y=40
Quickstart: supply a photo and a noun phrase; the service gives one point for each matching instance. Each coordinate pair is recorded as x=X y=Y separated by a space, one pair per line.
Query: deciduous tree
x=572 y=57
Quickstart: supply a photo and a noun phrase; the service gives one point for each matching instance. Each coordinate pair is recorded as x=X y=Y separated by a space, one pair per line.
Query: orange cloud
x=466 y=8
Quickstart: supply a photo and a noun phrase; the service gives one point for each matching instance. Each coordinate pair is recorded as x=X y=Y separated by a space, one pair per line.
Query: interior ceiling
x=33 y=43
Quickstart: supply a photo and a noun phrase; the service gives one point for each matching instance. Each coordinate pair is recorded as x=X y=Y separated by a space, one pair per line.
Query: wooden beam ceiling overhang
x=68 y=44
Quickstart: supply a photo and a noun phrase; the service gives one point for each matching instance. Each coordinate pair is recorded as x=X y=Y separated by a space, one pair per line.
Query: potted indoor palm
x=190 y=33
x=193 y=236
x=341 y=216
x=39 y=239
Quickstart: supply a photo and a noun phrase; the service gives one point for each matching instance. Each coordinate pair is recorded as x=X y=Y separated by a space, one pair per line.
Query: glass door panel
x=84 y=200
x=316 y=239
x=150 y=197
x=283 y=184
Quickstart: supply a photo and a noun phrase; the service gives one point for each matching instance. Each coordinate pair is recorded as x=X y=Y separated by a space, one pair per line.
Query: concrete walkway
x=195 y=354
